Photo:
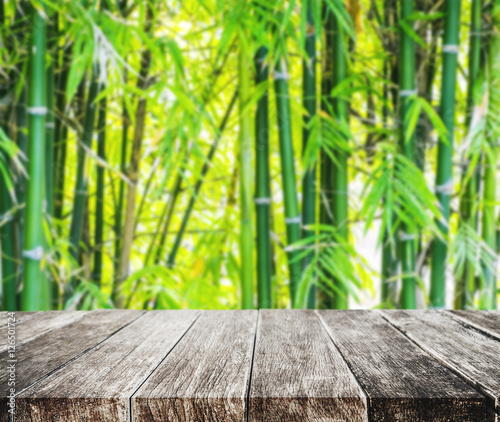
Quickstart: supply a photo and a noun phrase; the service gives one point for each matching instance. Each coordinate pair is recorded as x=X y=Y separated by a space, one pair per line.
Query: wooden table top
x=272 y=365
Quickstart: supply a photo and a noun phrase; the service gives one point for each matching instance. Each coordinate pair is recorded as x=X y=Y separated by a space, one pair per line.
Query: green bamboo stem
x=444 y=181
x=340 y=164
x=133 y=171
x=487 y=290
x=325 y=294
x=118 y=215
x=7 y=229
x=35 y=290
x=50 y=124
x=7 y=235
x=292 y=215
x=99 y=200
x=199 y=182
x=80 y=197
x=263 y=185
x=390 y=262
x=61 y=133
x=466 y=284
x=407 y=93
x=121 y=186
x=309 y=102
x=245 y=158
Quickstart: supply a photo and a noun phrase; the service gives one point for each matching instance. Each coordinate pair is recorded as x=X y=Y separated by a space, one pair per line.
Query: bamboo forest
x=215 y=154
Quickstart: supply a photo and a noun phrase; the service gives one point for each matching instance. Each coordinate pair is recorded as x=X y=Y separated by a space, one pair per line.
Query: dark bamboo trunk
x=292 y=215
x=309 y=101
x=263 y=185
x=133 y=169
x=99 y=200
x=444 y=181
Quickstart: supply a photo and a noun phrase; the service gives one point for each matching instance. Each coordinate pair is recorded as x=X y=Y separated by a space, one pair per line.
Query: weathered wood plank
x=46 y=353
x=298 y=374
x=42 y=324
x=205 y=377
x=473 y=355
x=485 y=321
x=19 y=316
x=402 y=381
x=99 y=384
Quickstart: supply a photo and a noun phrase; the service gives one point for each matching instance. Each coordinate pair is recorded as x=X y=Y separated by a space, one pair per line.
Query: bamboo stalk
x=444 y=182
x=390 y=262
x=407 y=93
x=61 y=134
x=50 y=123
x=133 y=173
x=121 y=187
x=309 y=102
x=35 y=290
x=488 y=288
x=99 y=200
x=292 y=215
x=199 y=182
x=245 y=158
x=7 y=228
x=340 y=165
x=80 y=197
x=118 y=215
x=263 y=185
x=7 y=235
x=325 y=294
x=466 y=284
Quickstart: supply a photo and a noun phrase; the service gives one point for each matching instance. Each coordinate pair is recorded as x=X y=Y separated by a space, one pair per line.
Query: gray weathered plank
x=485 y=321
x=42 y=324
x=205 y=377
x=46 y=353
x=401 y=380
x=98 y=385
x=473 y=355
x=298 y=374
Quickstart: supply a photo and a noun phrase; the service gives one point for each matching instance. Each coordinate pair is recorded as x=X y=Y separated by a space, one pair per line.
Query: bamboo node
x=37 y=111
x=50 y=125
x=293 y=220
x=445 y=188
x=405 y=237
x=451 y=49
x=408 y=92
x=35 y=254
x=262 y=201
x=281 y=75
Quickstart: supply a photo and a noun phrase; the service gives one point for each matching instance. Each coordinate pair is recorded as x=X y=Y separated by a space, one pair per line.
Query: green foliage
x=188 y=193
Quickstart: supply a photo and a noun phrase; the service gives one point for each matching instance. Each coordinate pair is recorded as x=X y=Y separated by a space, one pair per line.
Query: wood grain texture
x=43 y=323
x=485 y=321
x=205 y=377
x=298 y=374
x=402 y=381
x=46 y=353
x=473 y=355
x=98 y=385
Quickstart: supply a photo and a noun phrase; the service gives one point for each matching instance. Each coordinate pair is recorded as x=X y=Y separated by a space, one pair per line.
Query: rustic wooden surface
x=467 y=351
x=298 y=374
x=387 y=367
x=205 y=378
x=272 y=365
x=486 y=321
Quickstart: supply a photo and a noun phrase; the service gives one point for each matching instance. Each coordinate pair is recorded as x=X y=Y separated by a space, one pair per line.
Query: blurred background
x=239 y=154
